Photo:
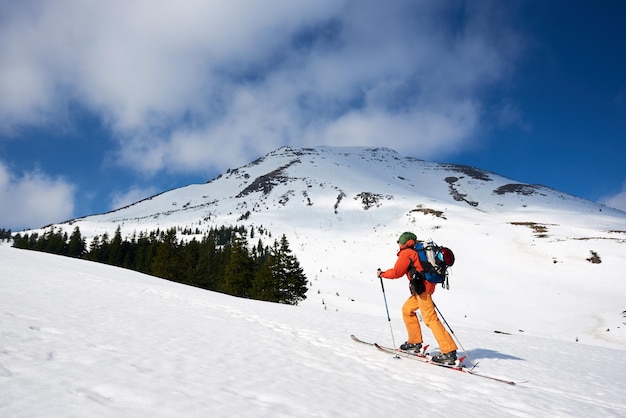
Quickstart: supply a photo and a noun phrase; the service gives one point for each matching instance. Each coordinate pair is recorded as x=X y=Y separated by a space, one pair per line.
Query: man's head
x=406 y=237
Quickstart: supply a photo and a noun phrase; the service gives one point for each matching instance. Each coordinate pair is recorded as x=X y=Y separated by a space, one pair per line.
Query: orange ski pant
x=424 y=302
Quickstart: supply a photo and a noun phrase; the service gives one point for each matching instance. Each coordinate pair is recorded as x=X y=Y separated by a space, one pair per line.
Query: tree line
x=5 y=234
x=221 y=261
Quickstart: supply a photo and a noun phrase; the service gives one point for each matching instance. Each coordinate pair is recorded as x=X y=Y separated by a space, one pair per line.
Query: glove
x=379 y=272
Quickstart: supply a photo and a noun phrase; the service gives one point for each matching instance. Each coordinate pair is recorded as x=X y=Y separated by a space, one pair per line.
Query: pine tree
x=239 y=268
x=76 y=246
x=210 y=273
x=189 y=266
x=104 y=249
x=5 y=234
x=20 y=241
x=115 y=252
x=288 y=283
x=144 y=252
x=94 y=247
x=263 y=285
x=166 y=260
x=53 y=242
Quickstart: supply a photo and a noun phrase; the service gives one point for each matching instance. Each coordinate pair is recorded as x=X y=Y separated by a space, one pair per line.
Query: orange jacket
x=401 y=268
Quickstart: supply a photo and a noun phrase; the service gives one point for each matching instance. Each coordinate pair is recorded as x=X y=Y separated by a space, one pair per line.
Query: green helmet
x=406 y=236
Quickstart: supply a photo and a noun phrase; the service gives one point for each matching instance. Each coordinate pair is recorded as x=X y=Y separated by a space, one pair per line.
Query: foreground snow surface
x=79 y=339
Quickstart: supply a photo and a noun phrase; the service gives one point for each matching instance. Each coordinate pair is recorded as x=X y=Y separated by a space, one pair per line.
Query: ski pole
x=452 y=332
x=387 y=309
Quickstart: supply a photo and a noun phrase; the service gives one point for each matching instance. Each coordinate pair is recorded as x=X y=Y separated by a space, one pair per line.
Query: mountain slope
x=525 y=246
x=79 y=339
x=326 y=180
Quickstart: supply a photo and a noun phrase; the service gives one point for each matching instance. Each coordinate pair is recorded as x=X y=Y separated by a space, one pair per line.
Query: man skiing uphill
x=421 y=298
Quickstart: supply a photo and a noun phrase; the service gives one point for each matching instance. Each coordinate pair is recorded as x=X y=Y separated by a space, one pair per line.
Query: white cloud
x=430 y=132
x=187 y=83
x=617 y=201
x=33 y=200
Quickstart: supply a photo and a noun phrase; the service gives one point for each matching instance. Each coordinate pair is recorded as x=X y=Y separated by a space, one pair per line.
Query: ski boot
x=448 y=359
x=411 y=347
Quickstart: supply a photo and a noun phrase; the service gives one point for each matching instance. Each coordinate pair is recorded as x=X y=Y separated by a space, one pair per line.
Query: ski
x=426 y=360
x=358 y=340
x=419 y=357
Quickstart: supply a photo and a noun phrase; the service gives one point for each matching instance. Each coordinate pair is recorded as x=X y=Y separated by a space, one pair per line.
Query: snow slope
x=522 y=247
x=79 y=339
x=82 y=339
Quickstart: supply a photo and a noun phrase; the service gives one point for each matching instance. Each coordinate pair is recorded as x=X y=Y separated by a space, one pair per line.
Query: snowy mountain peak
x=324 y=182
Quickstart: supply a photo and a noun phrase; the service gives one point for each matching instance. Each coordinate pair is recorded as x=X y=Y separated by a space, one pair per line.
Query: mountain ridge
x=368 y=164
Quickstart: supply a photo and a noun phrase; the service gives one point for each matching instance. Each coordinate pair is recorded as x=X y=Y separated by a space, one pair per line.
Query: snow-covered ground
x=79 y=339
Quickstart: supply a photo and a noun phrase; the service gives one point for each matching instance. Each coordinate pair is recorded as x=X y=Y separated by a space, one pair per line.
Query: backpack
x=435 y=260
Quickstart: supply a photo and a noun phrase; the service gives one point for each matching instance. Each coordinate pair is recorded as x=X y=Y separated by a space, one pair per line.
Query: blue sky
x=105 y=103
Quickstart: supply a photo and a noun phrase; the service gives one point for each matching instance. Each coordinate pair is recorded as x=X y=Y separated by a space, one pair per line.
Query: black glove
x=379 y=272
